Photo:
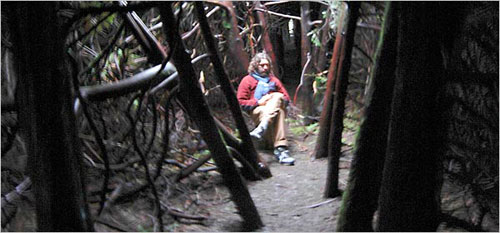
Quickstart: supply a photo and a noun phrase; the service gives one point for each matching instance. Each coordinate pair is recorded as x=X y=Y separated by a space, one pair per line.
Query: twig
x=105 y=51
x=11 y=200
x=110 y=225
x=143 y=156
x=319 y=204
x=364 y=53
x=180 y=214
x=278 y=14
x=166 y=133
x=302 y=78
x=90 y=30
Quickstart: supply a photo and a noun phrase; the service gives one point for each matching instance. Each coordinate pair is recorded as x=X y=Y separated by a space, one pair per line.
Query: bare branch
x=12 y=199
x=278 y=14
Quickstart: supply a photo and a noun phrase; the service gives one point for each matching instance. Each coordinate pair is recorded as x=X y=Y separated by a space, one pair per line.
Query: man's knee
x=278 y=95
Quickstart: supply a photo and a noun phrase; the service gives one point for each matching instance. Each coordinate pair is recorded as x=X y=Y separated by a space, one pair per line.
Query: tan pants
x=275 y=112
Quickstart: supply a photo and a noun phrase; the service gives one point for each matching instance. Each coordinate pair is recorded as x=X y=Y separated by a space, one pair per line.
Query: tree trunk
x=321 y=55
x=408 y=199
x=296 y=39
x=237 y=47
x=266 y=42
x=337 y=124
x=304 y=92
x=321 y=150
x=360 y=200
x=46 y=117
x=248 y=148
x=277 y=40
x=199 y=111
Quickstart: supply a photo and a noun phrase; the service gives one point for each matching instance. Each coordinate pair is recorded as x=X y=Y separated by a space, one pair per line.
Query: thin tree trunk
x=321 y=55
x=360 y=200
x=277 y=39
x=321 y=150
x=408 y=195
x=237 y=47
x=304 y=91
x=266 y=42
x=248 y=148
x=46 y=117
x=305 y=27
x=296 y=39
x=198 y=110
x=337 y=125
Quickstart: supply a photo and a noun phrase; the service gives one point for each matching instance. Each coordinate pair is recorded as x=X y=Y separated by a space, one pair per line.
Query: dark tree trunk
x=47 y=118
x=277 y=40
x=296 y=39
x=248 y=148
x=304 y=93
x=360 y=200
x=337 y=124
x=237 y=46
x=266 y=42
x=321 y=54
x=408 y=196
x=197 y=108
x=321 y=149
x=305 y=27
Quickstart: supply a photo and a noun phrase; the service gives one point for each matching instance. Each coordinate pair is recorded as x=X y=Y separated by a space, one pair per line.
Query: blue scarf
x=263 y=86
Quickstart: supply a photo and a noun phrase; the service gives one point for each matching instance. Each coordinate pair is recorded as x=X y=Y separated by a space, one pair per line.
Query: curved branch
x=125 y=86
x=278 y=14
x=134 y=83
x=143 y=155
x=302 y=78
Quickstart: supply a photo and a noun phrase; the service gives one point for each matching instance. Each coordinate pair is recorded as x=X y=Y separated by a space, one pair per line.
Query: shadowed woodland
x=122 y=116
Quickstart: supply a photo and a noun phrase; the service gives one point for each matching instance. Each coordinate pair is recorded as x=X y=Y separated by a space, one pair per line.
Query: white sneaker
x=259 y=131
x=283 y=156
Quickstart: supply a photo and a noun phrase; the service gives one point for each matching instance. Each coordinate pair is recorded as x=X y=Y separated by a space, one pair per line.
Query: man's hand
x=264 y=99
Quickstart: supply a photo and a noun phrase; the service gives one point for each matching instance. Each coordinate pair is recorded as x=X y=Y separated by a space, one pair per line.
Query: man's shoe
x=283 y=156
x=260 y=130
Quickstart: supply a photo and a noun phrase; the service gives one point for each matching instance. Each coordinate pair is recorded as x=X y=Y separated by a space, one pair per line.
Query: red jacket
x=246 y=91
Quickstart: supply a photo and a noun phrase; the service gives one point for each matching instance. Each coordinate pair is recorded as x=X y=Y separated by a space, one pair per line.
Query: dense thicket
x=107 y=105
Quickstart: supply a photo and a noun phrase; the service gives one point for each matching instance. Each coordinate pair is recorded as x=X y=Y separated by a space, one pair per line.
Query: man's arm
x=244 y=95
x=281 y=88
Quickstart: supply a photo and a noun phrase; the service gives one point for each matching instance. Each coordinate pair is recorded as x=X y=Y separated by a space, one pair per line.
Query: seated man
x=263 y=95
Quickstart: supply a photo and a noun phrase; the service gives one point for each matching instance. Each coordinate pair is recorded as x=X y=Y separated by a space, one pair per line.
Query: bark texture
x=361 y=196
x=337 y=124
x=47 y=118
x=408 y=196
x=197 y=108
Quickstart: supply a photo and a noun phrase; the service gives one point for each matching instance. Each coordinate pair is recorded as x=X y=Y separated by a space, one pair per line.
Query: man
x=262 y=95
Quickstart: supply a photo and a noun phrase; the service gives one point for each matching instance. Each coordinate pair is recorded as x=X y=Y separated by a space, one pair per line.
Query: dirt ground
x=291 y=200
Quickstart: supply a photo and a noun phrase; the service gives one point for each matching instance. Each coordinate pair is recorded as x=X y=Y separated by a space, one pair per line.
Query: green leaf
x=315 y=40
x=226 y=24
x=135 y=104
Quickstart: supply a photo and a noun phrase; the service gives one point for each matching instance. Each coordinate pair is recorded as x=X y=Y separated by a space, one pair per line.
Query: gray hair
x=252 y=67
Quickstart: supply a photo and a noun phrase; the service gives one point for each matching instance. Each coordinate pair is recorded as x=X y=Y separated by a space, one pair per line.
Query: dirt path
x=291 y=200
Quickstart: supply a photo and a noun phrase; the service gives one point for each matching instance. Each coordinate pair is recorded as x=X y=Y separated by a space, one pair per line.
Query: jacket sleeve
x=245 y=96
x=281 y=88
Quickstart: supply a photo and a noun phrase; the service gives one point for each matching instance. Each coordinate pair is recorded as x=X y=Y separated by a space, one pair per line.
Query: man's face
x=263 y=67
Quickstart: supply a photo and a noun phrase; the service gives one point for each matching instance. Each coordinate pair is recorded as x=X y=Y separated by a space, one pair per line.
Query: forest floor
x=291 y=200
